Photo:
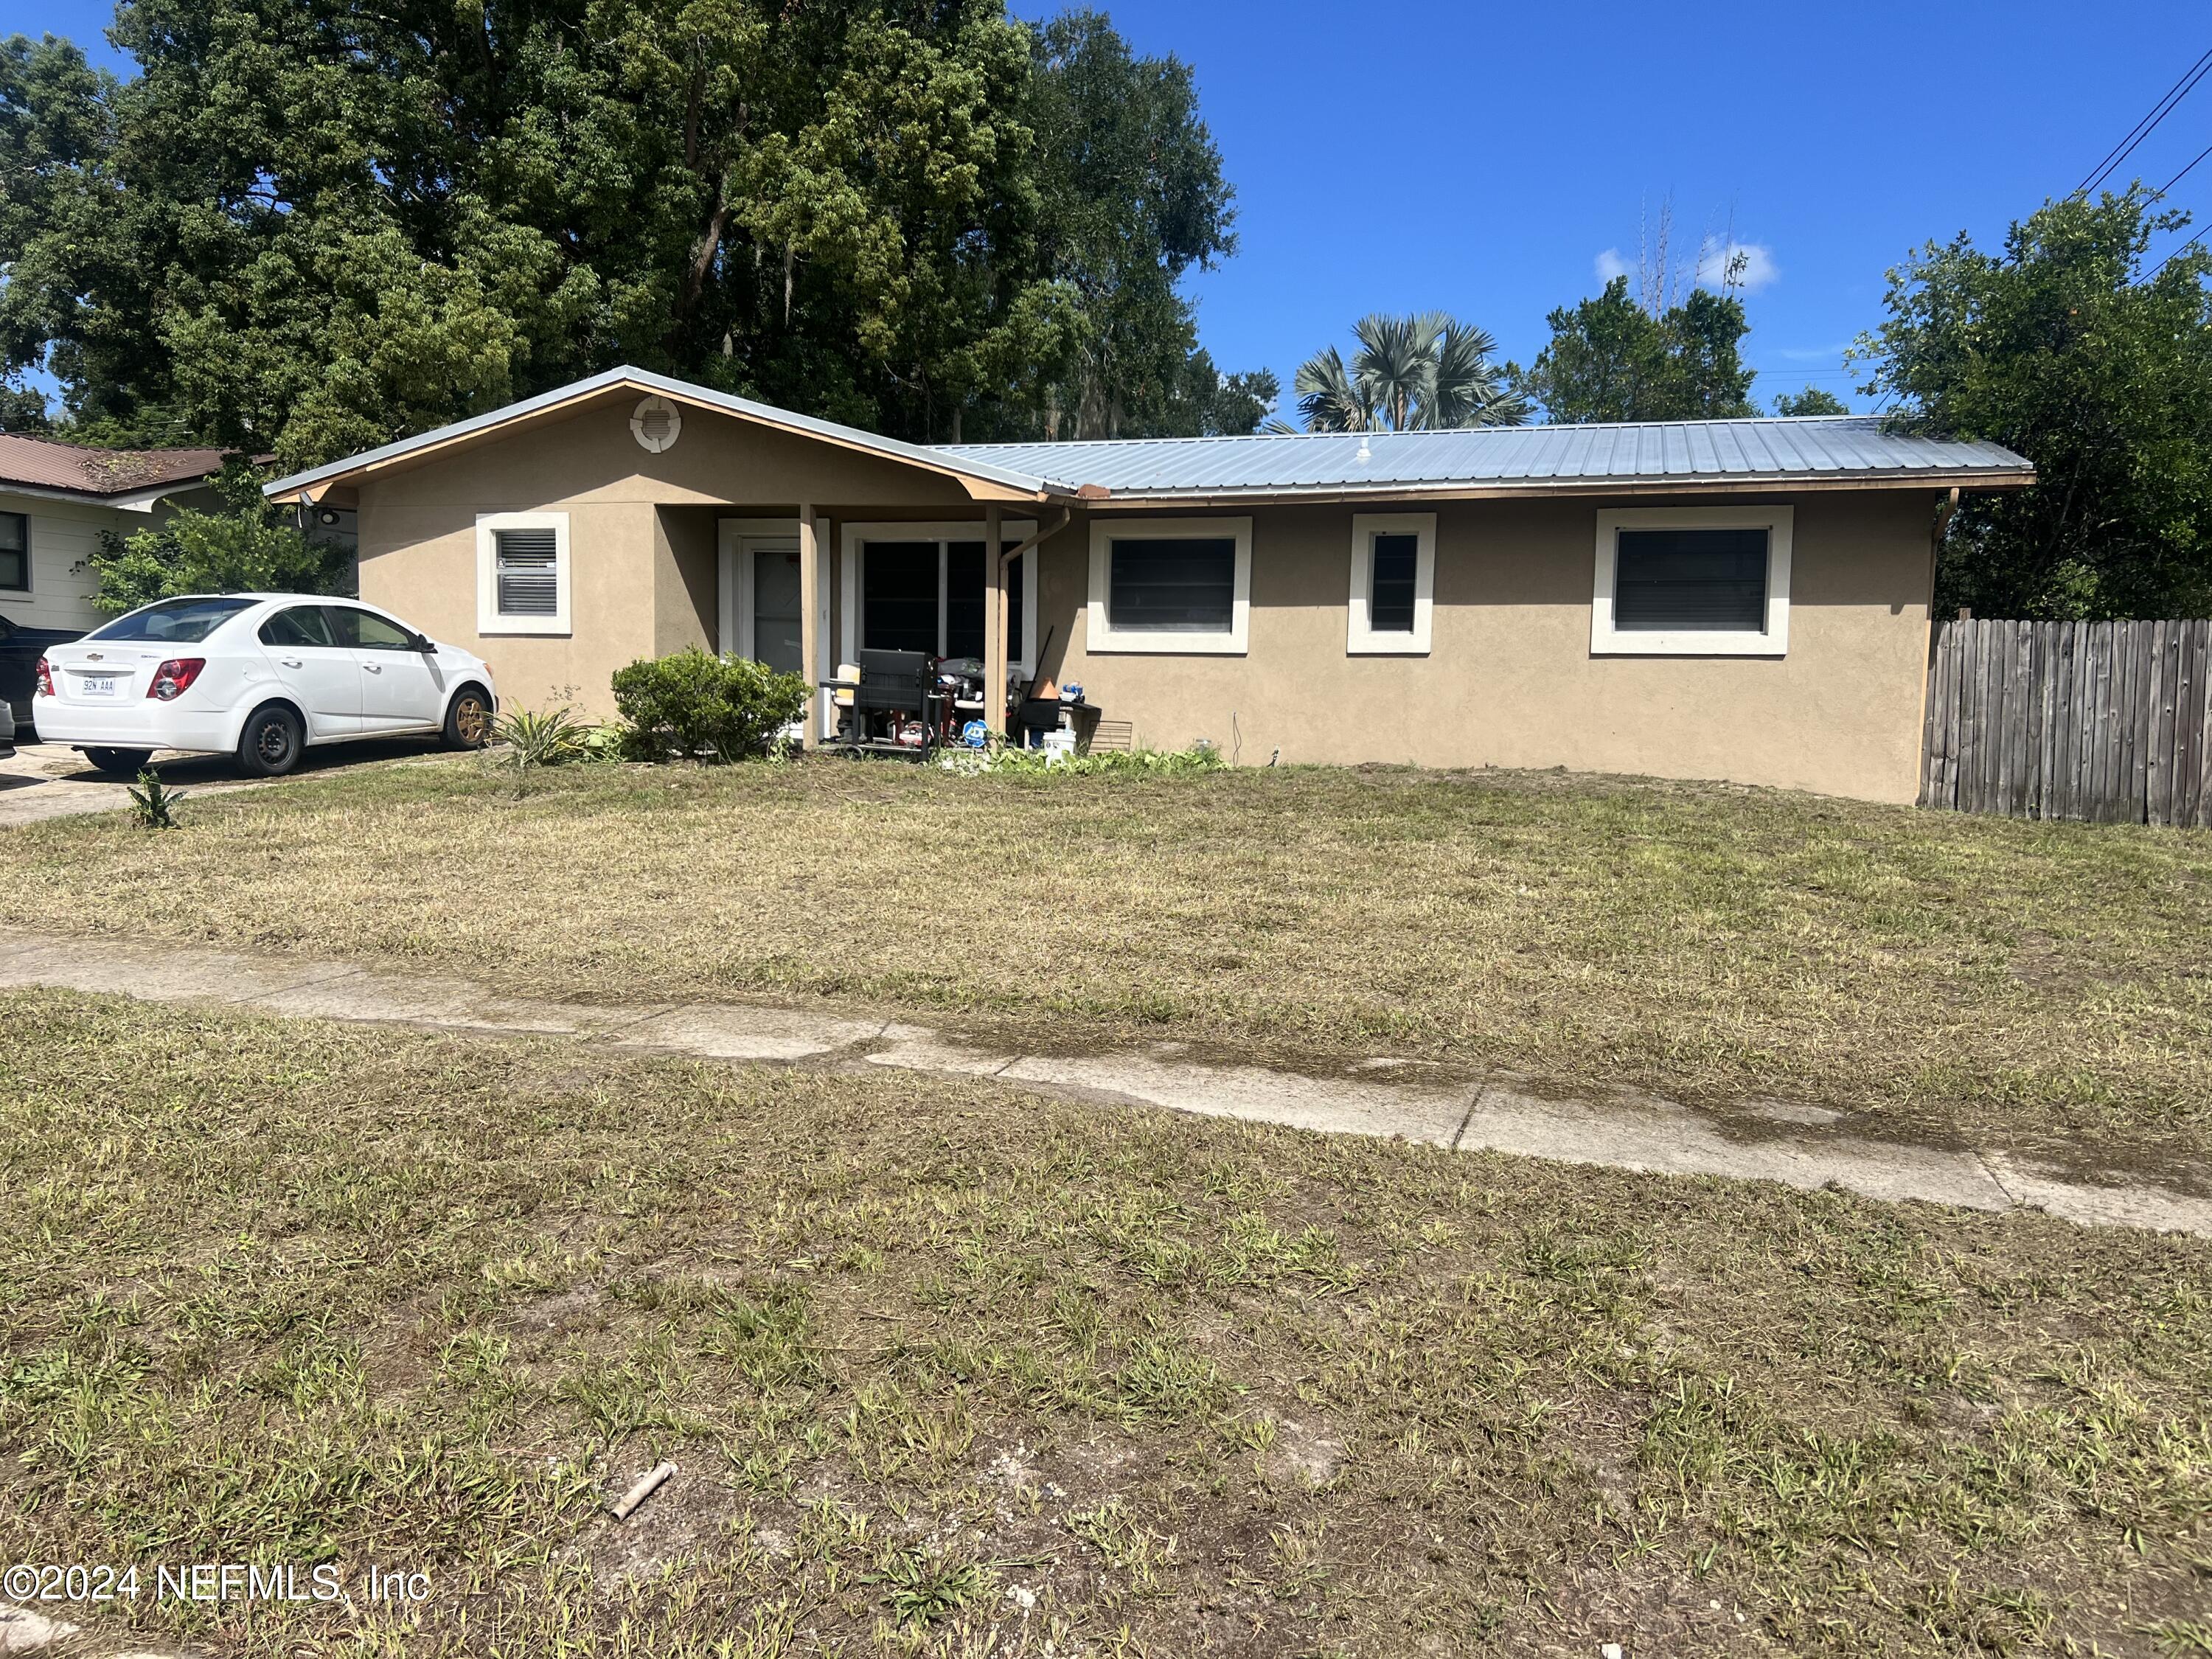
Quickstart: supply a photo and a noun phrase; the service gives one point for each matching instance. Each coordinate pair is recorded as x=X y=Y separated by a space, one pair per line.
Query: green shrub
x=1038 y=762
x=725 y=708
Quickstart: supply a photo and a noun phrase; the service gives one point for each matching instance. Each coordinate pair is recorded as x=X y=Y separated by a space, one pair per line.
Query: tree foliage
x=1811 y=401
x=2067 y=348
x=1408 y=373
x=254 y=548
x=1610 y=359
x=308 y=227
x=1134 y=198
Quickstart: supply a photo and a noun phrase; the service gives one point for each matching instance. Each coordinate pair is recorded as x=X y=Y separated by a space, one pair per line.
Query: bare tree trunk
x=703 y=259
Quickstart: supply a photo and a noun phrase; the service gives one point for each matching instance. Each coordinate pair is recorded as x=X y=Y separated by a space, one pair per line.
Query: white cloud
x=1610 y=264
x=1756 y=272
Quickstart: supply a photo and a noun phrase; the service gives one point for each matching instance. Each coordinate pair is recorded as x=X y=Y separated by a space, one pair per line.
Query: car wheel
x=123 y=763
x=468 y=718
x=269 y=745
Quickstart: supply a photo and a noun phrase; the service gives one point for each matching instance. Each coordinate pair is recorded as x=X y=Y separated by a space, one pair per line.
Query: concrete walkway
x=1800 y=1146
x=52 y=780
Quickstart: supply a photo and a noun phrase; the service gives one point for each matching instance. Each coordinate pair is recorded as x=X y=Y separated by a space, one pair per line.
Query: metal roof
x=103 y=474
x=1783 y=450
x=1532 y=459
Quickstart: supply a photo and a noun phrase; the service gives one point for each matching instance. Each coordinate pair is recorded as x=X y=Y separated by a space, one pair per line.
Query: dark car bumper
x=19 y=665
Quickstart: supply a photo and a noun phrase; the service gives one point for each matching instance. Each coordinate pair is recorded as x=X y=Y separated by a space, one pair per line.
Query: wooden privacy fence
x=2107 y=721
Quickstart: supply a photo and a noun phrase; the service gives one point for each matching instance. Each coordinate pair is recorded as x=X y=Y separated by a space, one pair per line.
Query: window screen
x=1690 y=581
x=963 y=600
x=898 y=597
x=525 y=571
x=1390 y=583
x=14 y=552
x=1182 y=585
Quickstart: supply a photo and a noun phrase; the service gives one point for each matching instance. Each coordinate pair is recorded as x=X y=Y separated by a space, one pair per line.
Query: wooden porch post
x=810 y=635
x=994 y=625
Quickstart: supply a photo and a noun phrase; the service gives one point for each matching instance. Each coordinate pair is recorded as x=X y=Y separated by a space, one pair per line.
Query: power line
x=2186 y=172
x=2171 y=257
x=2144 y=128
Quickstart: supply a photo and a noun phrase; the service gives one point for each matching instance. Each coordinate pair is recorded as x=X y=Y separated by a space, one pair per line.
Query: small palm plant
x=153 y=803
x=1414 y=374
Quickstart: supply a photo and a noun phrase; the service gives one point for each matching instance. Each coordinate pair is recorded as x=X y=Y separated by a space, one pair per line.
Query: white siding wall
x=64 y=537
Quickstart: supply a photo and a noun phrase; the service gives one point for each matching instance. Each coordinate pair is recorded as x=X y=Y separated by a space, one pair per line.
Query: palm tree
x=1409 y=375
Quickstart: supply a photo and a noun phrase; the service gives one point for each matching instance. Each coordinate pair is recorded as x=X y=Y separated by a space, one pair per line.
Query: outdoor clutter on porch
x=911 y=704
x=939 y=653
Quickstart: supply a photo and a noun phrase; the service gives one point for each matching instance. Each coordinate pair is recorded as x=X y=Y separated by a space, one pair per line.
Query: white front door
x=776 y=606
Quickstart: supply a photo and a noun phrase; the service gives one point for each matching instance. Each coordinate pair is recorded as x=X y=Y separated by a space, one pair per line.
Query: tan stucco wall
x=1510 y=680
x=645 y=572
x=686 y=581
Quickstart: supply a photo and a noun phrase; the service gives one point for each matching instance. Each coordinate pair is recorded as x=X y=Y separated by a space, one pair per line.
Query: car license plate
x=100 y=685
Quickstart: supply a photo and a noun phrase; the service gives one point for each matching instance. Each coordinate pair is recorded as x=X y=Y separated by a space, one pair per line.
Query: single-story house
x=1743 y=599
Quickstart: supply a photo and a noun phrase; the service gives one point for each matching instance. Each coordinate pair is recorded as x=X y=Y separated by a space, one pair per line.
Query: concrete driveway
x=47 y=780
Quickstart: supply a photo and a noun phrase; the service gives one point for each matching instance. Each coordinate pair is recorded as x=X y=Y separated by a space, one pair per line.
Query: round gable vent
x=655 y=424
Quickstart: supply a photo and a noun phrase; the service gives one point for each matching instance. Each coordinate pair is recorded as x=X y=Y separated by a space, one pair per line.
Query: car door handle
x=290 y=662
x=372 y=668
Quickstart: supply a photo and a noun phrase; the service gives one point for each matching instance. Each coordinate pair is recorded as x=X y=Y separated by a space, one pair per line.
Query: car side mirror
x=426 y=645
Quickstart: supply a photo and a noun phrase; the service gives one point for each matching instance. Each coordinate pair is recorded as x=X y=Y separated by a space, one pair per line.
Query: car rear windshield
x=182 y=622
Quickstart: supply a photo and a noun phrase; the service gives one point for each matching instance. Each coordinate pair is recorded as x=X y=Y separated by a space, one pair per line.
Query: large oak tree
x=308 y=226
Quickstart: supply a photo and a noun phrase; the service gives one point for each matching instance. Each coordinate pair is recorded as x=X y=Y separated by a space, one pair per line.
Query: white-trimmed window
x=1708 y=581
x=522 y=573
x=15 y=553
x=1394 y=582
x=1170 y=585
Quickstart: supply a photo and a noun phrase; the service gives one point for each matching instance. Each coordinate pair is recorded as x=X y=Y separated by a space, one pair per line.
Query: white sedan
x=262 y=676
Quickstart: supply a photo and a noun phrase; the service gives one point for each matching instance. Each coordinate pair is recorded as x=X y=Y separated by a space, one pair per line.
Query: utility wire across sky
x=2149 y=124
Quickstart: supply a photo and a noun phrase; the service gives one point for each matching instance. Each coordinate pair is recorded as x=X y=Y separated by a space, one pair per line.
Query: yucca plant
x=153 y=802
x=543 y=736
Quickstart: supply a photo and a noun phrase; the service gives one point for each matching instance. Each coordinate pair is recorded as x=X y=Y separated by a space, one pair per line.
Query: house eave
x=1571 y=488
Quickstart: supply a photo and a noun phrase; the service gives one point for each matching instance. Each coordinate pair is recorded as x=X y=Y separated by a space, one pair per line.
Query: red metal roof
x=41 y=464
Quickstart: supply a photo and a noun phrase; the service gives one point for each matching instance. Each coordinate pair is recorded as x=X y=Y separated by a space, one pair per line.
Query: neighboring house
x=54 y=501
x=1730 y=599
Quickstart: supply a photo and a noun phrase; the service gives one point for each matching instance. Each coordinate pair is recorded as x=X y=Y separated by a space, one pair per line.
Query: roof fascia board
x=132 y=500
x=1579 y=488
x=998 y=484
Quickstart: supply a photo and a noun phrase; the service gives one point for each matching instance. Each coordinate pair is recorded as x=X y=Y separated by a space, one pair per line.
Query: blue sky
x=1483 y=158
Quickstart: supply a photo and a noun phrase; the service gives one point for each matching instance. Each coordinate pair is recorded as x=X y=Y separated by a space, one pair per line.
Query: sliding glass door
x=920 y=587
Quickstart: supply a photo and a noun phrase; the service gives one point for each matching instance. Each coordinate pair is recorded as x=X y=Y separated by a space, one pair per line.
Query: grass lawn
x=1945 y=975
x=951 y=1370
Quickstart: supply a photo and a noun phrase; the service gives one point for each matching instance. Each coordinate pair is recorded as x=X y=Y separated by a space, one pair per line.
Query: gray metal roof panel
x=1289 y=464
x=1780 y=447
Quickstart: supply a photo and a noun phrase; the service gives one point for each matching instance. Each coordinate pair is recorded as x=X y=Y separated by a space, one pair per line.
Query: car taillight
x=45 y=688
x=174 y=677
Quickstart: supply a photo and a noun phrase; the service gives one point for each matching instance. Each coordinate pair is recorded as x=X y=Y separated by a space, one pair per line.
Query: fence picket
x=2110 y=721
